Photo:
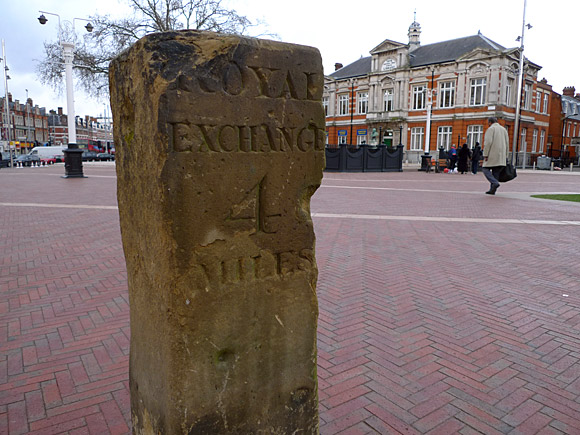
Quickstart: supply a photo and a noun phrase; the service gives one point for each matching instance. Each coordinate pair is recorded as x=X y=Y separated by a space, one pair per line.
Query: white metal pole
x=7 y=105
x=428 y=132
x=105 y=137
x=67 y=48
x=29 y=136
x=519 y=87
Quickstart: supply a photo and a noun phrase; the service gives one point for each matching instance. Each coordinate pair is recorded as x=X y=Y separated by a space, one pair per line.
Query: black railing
x=364 y=158
x=561 y=158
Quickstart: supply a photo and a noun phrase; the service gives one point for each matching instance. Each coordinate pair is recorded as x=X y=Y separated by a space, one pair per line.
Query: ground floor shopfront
x=418 y=137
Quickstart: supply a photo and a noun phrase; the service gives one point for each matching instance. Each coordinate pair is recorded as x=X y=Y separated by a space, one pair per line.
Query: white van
x=44 y=152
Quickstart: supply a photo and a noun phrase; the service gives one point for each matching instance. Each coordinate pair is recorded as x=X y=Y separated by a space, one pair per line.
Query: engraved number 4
x=253 y=208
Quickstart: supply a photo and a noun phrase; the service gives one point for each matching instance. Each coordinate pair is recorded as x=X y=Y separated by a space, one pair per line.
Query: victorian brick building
x=92 y=134
x=432 y=96
x=565 y=125
x=31 y=126
x=27 y=127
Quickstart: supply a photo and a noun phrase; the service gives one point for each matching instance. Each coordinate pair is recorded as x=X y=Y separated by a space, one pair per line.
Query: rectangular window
x=388 y=100
x=361 y=138
x=527 y=96
x=568 y=130
x=474 y=134
x=508 y=92
x=417 y=138
x=444 y=136
x=419 y=97
x=447 y=94
x=538 y=101
x=535 y=141
x=542 y=140
x=325 y=105
x=477 y=92
x=342 y=139
x=363 y=102
x=523 y=144
x=545 y=108
x=343 y=104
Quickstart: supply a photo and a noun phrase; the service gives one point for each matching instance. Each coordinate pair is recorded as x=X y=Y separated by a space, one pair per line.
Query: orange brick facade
x=481 y=82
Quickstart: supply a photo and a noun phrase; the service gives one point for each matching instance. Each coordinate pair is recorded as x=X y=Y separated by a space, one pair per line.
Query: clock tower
x=414 y=34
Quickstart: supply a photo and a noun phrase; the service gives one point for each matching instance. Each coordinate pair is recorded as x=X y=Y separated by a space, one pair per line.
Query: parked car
x=105 y=157
x=48 y=160
x=5 y=159
x=28 y=160
x=89 y=156
x=59 y=158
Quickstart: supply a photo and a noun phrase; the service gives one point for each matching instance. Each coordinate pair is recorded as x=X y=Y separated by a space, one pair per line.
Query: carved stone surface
x=220 y=145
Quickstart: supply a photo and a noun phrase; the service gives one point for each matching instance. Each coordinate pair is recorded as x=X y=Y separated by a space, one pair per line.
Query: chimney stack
x=569 y=91
x=59 y=111
x=337 y=66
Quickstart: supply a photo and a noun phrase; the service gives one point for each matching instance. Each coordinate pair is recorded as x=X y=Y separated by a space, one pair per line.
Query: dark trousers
x=492 y=174
x=474 y=166
x=452 y=163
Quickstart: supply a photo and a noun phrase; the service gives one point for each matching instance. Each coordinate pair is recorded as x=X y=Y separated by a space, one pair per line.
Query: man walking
x=475 y=158
x=495 y=149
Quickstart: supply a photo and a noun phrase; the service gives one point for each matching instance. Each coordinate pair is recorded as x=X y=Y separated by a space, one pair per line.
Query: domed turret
x=414 y=34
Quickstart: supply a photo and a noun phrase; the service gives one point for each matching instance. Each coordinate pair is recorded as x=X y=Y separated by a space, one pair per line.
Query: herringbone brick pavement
x=64 y=332
x=442 y=310
x=429 y=326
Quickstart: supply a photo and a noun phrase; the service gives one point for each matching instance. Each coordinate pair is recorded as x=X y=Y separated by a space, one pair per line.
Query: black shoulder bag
x=508 y=173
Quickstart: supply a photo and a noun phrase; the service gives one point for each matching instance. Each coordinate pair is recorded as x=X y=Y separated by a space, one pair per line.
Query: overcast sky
x=342 y=30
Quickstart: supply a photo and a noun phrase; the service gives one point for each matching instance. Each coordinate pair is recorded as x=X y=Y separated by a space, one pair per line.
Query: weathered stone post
x=220 y=145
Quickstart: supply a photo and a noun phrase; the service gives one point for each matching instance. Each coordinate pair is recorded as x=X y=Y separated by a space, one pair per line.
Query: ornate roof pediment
x=478 y=53
x=387 y=79
x=514 y=53
x=386 y=45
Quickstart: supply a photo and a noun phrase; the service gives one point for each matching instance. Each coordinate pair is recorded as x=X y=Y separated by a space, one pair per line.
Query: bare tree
x=111 y=36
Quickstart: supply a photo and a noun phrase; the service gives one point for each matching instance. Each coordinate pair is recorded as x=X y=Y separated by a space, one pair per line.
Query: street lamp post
x=66 y=33
x=428 y=126
x=520 y=86
x=7 y=105
x=29 y=131
x=106 y=135
x=429 y=94
x=352 y=108
x=401 y=135
x=565 y=123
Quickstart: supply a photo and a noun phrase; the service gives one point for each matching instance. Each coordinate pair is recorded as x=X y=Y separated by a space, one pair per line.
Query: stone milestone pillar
x=220 y=146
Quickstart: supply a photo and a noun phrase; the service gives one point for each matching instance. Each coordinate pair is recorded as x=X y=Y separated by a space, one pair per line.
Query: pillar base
x=73 y=162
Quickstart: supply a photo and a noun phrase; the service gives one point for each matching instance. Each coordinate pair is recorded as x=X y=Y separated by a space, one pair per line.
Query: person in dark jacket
x=463 y=156
x=475 y=158
x=452 y=155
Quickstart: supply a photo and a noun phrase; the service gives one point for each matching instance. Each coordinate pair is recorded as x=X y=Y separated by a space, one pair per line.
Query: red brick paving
x=426 y=326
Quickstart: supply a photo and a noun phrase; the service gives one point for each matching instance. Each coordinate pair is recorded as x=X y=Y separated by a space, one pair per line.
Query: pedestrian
x=475 y=158
x=495 y=149
x=463 y=156
x=452 y=154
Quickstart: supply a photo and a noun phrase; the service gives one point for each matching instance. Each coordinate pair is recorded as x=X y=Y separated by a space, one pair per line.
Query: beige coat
x=495 y=146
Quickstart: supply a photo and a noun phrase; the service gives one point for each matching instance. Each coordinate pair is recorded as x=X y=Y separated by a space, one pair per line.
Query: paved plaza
x=442 y=310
